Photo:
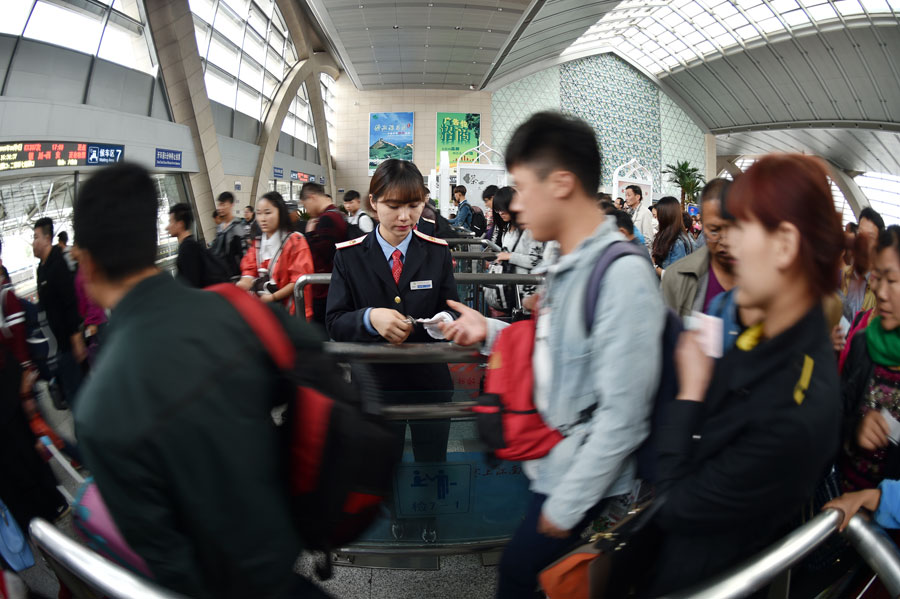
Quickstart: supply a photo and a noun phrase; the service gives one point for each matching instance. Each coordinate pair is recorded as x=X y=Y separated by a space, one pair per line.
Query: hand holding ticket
x=894 y=435
x=710 y=331
x=431 y=324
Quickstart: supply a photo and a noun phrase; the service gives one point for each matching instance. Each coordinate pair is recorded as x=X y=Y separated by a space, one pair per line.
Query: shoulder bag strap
x=262 y=321
x=613 y=252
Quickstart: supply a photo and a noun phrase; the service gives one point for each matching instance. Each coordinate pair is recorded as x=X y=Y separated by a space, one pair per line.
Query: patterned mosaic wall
x=631 y=116
x=513 y=104
x=621 y=104
x=681 y=140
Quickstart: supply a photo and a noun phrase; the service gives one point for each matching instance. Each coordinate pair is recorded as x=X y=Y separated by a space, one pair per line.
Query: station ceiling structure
x=816 y=76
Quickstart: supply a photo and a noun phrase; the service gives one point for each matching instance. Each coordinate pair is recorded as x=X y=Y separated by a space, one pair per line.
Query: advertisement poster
x=390 y=136
x=456 y=133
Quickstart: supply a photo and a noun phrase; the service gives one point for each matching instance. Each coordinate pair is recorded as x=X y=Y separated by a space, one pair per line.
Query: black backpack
x=668 y=380
x=340 y=453
x=479 y=222
x=353 y=231
x=214 y=269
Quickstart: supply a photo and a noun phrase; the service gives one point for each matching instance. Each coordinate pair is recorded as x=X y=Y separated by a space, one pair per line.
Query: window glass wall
x=883 y=192
x=298 y=122
x=113 y=31
x=23 y=201
x=245 y=51
x=329 y=101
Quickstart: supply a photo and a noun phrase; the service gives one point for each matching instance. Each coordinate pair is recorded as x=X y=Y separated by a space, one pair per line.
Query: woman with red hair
x=750 y=435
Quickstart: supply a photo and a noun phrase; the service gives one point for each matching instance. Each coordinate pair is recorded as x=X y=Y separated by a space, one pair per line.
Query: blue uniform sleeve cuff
x=368 y=323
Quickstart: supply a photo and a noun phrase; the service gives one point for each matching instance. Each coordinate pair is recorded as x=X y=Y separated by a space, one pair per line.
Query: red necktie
x=396 y=265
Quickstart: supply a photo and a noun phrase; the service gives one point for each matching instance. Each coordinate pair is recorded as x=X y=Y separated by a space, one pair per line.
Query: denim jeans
x=529 y=552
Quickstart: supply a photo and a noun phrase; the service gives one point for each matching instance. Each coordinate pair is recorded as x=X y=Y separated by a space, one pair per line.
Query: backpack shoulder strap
x=613 y=252
x=262 y=321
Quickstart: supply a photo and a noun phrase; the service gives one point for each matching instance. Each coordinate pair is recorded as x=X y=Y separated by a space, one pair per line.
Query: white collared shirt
x=269 y=246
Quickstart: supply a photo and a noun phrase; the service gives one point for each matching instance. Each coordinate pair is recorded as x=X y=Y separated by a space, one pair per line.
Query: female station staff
x=279 y=253
x=384 y=281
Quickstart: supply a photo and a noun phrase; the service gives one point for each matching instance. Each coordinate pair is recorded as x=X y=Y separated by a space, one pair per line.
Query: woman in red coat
x=279 y=254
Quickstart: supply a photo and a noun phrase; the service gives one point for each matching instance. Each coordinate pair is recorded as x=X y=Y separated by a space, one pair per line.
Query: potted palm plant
x=687 y=178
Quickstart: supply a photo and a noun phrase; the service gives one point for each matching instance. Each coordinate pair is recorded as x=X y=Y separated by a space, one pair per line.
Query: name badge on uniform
x=414 y=285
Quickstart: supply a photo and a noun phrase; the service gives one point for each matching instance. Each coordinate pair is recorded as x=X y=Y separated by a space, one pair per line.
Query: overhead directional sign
x=37 y=154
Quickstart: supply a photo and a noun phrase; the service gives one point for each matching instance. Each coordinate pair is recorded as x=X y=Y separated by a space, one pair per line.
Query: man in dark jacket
x=56 y=291
x=189 y=264
x=327 y=226
x=175 y=422
x=231 y=238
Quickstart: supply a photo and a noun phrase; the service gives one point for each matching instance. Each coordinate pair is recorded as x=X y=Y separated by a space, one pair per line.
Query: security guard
x=381 y=283
x=392 y=275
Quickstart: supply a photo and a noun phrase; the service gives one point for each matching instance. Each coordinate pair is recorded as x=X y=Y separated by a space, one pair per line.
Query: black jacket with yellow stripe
x=736 y=469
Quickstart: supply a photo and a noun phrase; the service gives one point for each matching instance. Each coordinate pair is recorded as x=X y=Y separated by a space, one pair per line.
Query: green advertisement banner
x=456 y=133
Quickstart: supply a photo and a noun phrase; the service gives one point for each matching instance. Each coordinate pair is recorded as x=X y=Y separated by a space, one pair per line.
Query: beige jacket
x=685 y=282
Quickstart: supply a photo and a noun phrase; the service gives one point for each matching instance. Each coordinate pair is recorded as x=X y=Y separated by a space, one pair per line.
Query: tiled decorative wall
x=631 y=116
x=513 y=104
x=623 y=107
x=681 y=140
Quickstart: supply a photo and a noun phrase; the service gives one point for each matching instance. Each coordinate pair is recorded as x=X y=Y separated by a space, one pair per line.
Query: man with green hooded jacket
x=175 y=421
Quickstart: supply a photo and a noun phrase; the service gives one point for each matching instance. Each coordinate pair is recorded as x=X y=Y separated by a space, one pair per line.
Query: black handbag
x=613 y=564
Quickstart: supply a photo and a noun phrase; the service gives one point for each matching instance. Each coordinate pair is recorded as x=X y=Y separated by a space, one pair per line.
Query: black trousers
x=27 y=485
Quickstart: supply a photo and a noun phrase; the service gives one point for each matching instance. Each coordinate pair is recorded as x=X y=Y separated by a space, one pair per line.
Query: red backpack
x=508 y=422
x=340 y=453
x=507 y=419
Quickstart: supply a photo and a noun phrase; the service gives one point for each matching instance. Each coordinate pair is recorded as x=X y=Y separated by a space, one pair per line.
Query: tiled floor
x=459 y=577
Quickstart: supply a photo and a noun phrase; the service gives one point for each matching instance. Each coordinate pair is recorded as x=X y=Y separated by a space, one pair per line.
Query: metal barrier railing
x=485 y=243
x=759 y=571
x=98 y=573
x=477 y=279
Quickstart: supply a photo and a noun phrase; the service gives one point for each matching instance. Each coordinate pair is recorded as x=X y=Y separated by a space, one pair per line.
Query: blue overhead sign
x=168 y=158
x=322 y=180
x=294 y=175
x=278 y=172
x=105 y=154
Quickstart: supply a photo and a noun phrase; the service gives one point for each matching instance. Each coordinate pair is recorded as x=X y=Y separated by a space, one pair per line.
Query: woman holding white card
x=871 y=380
x=749 y=436
x=392 y=286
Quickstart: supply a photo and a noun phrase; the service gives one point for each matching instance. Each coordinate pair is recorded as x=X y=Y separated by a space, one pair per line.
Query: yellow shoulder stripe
x=350 y=243
x=805 y=376
x=430 y=238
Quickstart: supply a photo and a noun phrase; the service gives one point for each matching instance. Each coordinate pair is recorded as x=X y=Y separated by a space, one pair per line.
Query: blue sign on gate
x=278 y=172
x=168 y=158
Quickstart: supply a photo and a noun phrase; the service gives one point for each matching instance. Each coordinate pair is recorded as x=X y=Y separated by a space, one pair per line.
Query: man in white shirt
x=357 y=215
x=640 y=214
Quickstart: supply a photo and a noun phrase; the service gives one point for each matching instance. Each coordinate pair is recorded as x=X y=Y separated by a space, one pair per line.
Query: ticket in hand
x=710 y=330
x=894 y=434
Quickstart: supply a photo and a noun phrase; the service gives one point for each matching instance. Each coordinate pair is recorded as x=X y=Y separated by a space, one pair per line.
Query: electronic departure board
x=37 y=154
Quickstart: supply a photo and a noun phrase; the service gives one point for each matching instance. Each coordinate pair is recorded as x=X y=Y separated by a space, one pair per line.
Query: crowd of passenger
x=173 y=413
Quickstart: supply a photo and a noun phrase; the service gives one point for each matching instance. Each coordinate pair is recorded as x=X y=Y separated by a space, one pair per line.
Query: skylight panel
x=795 y=18
x=848 y=7
x=876 y=6
x=760 y=13
x=782 y=6
x=747 y=32
x=704 y=19
x=771 y=25
x=692 y=9
x=736 y=21
x=822 y=12
x=705 y=48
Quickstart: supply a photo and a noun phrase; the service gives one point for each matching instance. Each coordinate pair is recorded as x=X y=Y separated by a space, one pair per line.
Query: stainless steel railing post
x=98 y=573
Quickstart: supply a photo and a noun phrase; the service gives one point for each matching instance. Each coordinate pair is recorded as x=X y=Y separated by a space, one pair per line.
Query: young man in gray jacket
x=555 y=161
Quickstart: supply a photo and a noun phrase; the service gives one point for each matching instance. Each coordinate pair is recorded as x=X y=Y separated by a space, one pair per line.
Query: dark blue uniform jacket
x=362 y=279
